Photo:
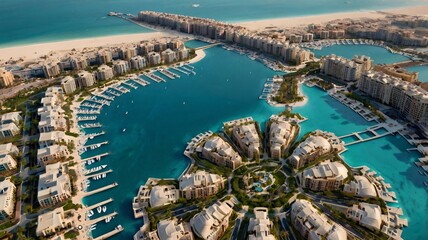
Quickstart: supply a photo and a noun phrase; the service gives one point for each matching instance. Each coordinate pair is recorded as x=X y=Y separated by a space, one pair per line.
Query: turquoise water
x=35 y=21
x=328 y=114
x=162 y=117
x=195 y=43
x=422 y=70
x=388 y=157
x=379 y=55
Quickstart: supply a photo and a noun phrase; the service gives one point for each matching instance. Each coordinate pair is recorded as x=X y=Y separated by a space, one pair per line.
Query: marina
x=105 y=188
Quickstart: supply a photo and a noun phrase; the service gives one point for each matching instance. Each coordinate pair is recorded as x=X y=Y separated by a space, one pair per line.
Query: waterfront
x=379 y=55
x=148 y=128
x=93 y=22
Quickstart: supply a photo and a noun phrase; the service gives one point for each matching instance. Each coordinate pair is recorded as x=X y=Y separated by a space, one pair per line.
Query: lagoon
x=422 y=70
x=162 y=117
x=379 y=55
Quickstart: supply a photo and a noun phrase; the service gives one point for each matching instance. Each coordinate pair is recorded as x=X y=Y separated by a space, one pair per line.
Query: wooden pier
x=109 y=234
x=97 y=157
x=93 y=145
x=97 y=174
x=96 y=220
x=105 y=188
x=98 y=204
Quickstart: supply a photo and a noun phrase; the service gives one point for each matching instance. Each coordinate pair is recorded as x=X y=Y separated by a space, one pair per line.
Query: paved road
x=10 y=92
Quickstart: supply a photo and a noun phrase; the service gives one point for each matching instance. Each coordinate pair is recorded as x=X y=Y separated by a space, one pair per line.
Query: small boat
x=108 y=219
x=184 y=103
x=104 y=209
x=124 y=130
x=126 y=113
x=99 y=209
x=195 y=5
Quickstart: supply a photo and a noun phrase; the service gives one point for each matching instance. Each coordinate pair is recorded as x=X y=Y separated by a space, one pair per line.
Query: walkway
x=372 y=132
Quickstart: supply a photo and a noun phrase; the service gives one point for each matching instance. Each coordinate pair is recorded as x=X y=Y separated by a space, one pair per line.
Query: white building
x=51 y=154
x=54 y=185
x=68 y=85
x=168 y=56
x=316 y=145
x=104 y=73
x=247 y=138
x=120 y=67
x=138 y=62
x=8 y=130
x=200 y=184
x=212 y=222
x=326 y=176
x=6 y=78
x=260 y=226
x=51 y=222
x=8 y=149
x=313 y=225
x=172 y=230
x=365 y=214
x=7 y=163
x=162 y=195
x=154 y=58
x=361 y=187
x=7 y=199
x=281 y=133
x=52 y=119
x=218 y=151
x=85 y=79
x=11 y=117
x=47 y=139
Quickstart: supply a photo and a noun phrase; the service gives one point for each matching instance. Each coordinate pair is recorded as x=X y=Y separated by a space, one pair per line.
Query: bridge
x=207 y=46
x=372 y=133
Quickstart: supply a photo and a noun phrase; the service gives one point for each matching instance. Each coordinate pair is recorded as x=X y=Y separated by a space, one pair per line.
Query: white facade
x=7 y=198
x=54 y=186
x=260 y=226
x=68 y=84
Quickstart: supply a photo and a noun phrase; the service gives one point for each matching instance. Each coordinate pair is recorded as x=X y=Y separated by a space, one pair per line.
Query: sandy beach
x=291 y=22
x=36 y=50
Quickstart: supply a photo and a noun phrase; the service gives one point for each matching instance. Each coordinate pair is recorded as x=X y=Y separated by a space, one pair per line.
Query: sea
x=37 y=21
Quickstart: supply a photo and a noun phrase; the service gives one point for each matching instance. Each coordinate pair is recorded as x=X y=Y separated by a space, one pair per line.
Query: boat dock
x=371 y=133
x=112 y=92
x=185 y=67
x=90 y=125
x=102 y=95
x=116 y=230
x=180 y=70
x=93 y=105
x=129 y=84
x=102 y=218
x=173 y=74
x=87 y=111
x=98 y=204
x=154 y=77
x=87 y=118
x=98 y=174
x=102 y=102
x=97 y=157
x=166 y=74
x=121 y=89
x=140 y=81
x=105 y=188
x=92 y=135
x=93 y=146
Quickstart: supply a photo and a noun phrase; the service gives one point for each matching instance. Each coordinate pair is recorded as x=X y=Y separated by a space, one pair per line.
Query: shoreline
x=30 y=51
x=298 y=21
x=34 y=51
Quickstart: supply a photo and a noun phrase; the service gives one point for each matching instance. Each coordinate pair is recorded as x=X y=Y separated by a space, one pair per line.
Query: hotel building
x=8 y=130
x=345 y=69
x=6 y=78
x=51 y=222
x=68 y=85
x=120 y=67
x=154 y=58
x=212 y=222
x=316 y=145
x=9 y=149
x=409 y=99
x=247 y=138
x=85 y=79
x=52 y=119
x=200 y=184
x=361 y=187
x=168 y=56
x=260 y=226
x=47 y=139
x=104 y=73
x=171 y=229
x=138 y=63
x=312 y=224
x=365 y=214
x=219 y=152
x=7 y=163
x=155 y=196
x=327 y=176
x=54 y=185
x=281 y=133
x=7 y=199
x=51 y=154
